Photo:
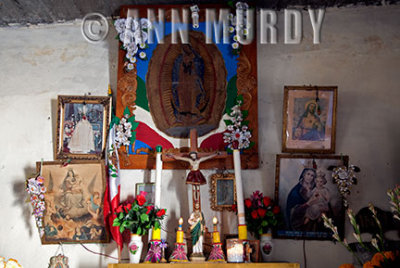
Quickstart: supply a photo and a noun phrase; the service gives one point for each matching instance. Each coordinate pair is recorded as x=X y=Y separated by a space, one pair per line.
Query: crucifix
x=195 y=178
x=194 y=158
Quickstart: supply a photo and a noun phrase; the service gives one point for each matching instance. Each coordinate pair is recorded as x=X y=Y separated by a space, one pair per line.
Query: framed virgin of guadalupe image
x=73 y=201
x=305 y=190
x=222 y=191
x=309 y=119
x=82 y=125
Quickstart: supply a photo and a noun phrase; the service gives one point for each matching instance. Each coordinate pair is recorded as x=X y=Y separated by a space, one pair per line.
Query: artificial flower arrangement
x=261 y=214
x=382 y=258
x=138 y=216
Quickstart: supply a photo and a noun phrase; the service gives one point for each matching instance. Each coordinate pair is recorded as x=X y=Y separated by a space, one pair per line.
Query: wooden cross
x=194 y=159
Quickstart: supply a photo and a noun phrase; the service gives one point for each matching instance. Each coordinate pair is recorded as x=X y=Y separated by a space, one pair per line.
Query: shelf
x=205 y=265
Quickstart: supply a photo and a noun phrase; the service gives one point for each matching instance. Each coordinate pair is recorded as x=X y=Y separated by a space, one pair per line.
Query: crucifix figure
x=195 y=178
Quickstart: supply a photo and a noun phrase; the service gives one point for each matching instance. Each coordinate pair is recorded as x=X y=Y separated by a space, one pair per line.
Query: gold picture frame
x=82 y=126
x=73 y=202
x=309 y=119
x=223 y=191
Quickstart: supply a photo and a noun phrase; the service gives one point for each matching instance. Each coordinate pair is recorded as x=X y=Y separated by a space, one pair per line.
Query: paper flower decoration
x=133 y=35
x=125 y=129
x=36 y=189
x=238 y=133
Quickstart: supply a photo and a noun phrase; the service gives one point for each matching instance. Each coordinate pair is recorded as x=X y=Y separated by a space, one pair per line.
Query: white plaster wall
x=359 y=52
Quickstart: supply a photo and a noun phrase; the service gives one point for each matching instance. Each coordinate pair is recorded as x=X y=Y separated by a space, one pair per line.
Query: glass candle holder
x=234 y=250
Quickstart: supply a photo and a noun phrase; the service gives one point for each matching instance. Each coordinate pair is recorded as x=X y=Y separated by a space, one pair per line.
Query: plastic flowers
x=261 y=214
x=238 y=134
x=35 y=187
x=138 y=216
x=394 y=195
x=133 y=34
x=125 y=129
x=382 y=258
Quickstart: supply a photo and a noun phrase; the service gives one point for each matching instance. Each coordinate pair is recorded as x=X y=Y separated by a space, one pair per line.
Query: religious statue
x=197 y=223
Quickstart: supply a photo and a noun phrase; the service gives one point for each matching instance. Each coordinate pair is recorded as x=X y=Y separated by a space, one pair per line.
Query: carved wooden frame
x=214 y=191
x=246 y=84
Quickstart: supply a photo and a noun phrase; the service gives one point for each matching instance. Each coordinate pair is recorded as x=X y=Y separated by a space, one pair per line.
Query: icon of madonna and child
x=312 y=196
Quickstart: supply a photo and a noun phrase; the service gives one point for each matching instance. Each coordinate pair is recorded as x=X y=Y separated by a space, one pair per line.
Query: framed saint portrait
x=82 y=125
x=309 y=119
x=149 y=188
x=223 y=191
x=73 y=201
x=305 y=190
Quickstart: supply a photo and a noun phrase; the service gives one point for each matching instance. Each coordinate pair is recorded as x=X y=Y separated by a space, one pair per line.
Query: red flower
x=149 y=208
x=160 y=213
x=267 y=201
x=254 y=214
x=234 y=207
x=247 y=202
x=276 y=210
x=141 y=199
x=128 y=207
x=119 y=209
x=261 y=212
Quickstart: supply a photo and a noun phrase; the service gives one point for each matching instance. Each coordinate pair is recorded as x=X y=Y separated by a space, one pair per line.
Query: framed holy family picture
x=309 y=119
x=305 y=190
x=82 y=125
x=73 y=200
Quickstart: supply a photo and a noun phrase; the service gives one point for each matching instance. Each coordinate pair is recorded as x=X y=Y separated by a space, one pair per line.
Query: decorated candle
x=242 y=228
x=156 y=233
x=216 y=237
x=179 y=233
x=234 y=250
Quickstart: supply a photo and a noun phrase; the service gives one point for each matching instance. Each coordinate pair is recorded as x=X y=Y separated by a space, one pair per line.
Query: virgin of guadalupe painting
x=309 y=119
x=305 y=191
x=74 y=202
x=173 y=87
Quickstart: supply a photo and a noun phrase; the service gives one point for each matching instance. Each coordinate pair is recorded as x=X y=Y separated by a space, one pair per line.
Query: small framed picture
x=73 y=200
x=309 y=119
x=223 y=191
x=305 y=190
x=82 y=125
x=149 y=188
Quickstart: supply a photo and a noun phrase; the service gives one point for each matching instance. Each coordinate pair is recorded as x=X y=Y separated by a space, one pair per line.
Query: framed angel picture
x=73 y=201
x=309 y=119
x=82 y=125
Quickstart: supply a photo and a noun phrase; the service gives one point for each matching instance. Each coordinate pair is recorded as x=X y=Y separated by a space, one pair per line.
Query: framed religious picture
x=222 y=191
x=173 y=85
x=82 y=125
x=73 y=202
x=149 y=188
x=309 y=119
x=305 y=190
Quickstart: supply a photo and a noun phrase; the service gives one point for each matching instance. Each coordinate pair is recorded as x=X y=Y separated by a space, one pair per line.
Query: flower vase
x=266 y=246
x=135 y=248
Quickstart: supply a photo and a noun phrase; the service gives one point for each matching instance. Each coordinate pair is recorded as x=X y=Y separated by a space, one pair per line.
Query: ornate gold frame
x=59 y=152
x=214 y=191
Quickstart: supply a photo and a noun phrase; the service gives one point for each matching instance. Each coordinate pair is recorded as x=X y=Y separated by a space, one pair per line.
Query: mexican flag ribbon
x=112 y=193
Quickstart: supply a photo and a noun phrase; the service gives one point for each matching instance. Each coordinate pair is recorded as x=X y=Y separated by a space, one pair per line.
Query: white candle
x=242 y=229
x=159 y=166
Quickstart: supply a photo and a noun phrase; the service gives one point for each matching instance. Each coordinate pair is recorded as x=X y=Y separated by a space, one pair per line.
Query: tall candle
x=179 y=233
x=156 y=233
x=242 y=229
x=216 y=236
